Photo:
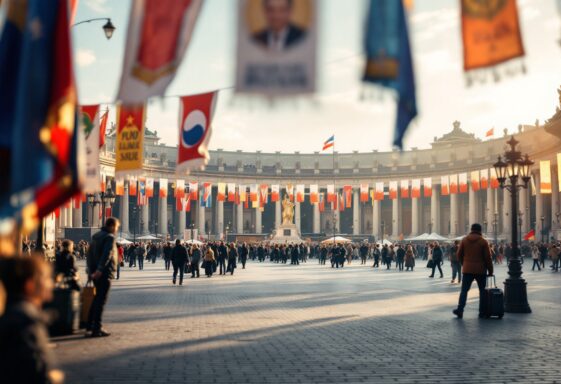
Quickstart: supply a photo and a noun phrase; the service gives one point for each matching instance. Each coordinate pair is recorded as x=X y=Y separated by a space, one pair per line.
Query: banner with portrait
x=276 y=47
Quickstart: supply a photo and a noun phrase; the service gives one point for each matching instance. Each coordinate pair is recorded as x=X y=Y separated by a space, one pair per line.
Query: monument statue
x=287 y=211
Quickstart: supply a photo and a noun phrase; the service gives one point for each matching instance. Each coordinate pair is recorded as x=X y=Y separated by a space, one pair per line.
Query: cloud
x=85 y=57
x=98 y=6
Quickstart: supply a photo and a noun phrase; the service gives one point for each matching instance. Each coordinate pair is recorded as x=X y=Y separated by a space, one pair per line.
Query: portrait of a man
x=280 y=33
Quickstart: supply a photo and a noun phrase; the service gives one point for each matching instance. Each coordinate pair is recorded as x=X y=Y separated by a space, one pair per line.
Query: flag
x=89 y=119
x=490 y=33
x=187 y=202
x=484 y=178
x=206 y=196
x=194 y=130
x=119 y=186
x=242 y=193
x=231 y=192
x=416 y=188
x=103 y=128
x=253 y=192
x=180 y=189
x=364 y=193
x=163 y=193
x=263 y=194
x=545 y=176
x=444 y=186
x=393 y=190
x=314 y=194
x=531 y=235
x=453 y=184
x=490 y=132
x=130 y=139
x=342 y=203
x=77 y=201
x=329 y=143
x=221 y=192
x=290 y=191
x=179 y=204
x=494 y=181
x=389 y=62
x=142 y=199
x=321 y=202
x=149 y=187
x=102 y=183
x=41 y=135
x=474 y=179
x=331 y=193
x=348 y=195
x=132 y=186
x=427 y=187
x=300 y=193
x=379 y=194
x=157 y=38
x=404 y=184
x=463 y=180
x=194 y=190
x=275 y=192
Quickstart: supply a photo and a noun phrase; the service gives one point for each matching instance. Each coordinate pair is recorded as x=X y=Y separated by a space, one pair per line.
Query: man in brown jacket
x=475 y=257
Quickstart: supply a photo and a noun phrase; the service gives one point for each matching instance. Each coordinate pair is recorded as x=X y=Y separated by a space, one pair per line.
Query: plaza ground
x=276 y=323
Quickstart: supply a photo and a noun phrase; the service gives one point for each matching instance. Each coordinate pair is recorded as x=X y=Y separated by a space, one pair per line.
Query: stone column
x=181 y=224
x=454 y=215
x=258 y=221
x=239 y=218
x=377 y=219
x=96 y=212
x=337 y=221
x=69 y=216
x=219 y=218
x=414 y=216
x=77 y=216
x=522 y=207
x=356 y=213
x=506 y=214
x=278 y=215
x=297 y=216
x=396 y=216
x=124 y=210
x=163 y=216
x=201 y=219
x=554 y=197
x=472 y=206
x=317 y=219
x=539 y=208
x=490 y=211
x=435 y=210
x=145 y=219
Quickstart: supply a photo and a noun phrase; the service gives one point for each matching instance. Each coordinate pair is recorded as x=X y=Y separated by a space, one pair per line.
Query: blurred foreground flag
x=42 y=137
x=389 y=63
x=158 y=35
x=490 y=34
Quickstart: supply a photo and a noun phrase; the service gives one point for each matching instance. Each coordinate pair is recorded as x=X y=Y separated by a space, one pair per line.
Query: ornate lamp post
x=92 y=202
x=520 y=214
x=108 y=27
x=542 y=228
x=496 y=227
x=107 y=199
x=514 y=168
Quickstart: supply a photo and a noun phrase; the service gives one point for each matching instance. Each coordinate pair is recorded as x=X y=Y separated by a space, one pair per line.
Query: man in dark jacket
x=167 y=256
x=475 y=257
x=455 y=263
x=179 y=258
x=102 y=264
x=221 y=257
x=195 y=261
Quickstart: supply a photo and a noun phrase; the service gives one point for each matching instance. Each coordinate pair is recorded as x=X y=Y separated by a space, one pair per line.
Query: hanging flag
x=132 y=186
x=427 y=187
x=221 y=192
x=314 y=194
x=130 y=139
x=322 y=202
x=157 y=38
x=494 y=180
x=404 y=186
x=89 y=119
x=342 y=203
x=103 y=128
x=253 y=192
x=263 y=194
x=194 y=130
x=474 y=179
x=329 y=143
x=453 y=184
x=194 y=190
x=187 y=202
x=490 y=33
x=444 y=186
x=530 y=236
x=206 y=196
x=334 y=204
x=242 y=192
x=290 y=191
x=331 y=193
x=179 y=204
x=142 y=199
x=393 y=190
x=102 y=182
x=484 y=178
x=389 y=62
x=149 y=187
x=300 y=193
x=163 y=192
x=379 y=191
x=545 y=176
x=276 y=52
x=416 y=188
x=364 y=193
x=348 y=195
x=180 y=189
x=463 y=181
x=275 y=193
x=119 y=186
x=77 y=202
x=231 y=192
x=490 y=132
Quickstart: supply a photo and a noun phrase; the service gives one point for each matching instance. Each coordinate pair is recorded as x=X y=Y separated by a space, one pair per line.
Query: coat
x=409 y=259
x=474 y=255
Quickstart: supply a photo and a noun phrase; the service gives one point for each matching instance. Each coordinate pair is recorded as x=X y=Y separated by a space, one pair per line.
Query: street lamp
x=170 y=229
x=192 y=227
x=108 y=27
x=520 y=214
x=542 y=228
x=515 y=167
x=92 y=202
x=383 y=229
x=486 y=226
x=135 y=211
x=107 y=198
x=496 y=227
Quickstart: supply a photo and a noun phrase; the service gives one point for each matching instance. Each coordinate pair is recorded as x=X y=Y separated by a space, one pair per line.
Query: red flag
x=490 y=132
x=530 y=235
x=103 y=128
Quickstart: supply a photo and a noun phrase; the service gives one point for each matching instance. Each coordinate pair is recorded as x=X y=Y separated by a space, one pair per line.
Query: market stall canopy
x=147 y=237
x=384 y=242
x=194 y=241
x=336 y=239
x=121 y=240
x=422 y=237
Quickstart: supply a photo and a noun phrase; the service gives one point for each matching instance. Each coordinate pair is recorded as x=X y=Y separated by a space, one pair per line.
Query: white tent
x=422 y=237
x=121 y=240
x=436 y=237
x=194 y=241
x=336 y=239
x=384 y=242
x=147 y=237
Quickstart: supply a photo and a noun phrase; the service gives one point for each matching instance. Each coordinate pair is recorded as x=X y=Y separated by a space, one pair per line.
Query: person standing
x=243 y=254
x=209 y=261
x=120 y=260
x=536 y=257
x=140 y=253
x=376 y=254
x=131 y=253
x=400 y=256
x=475 y=257
x=437 y=259
x=167 y=256
x=102 y=264
x=195 y=261
x=222 y=257
x=409 y=258
x=65 y=265
x=232 y=257
x=455 y=263
x=554 y=255
x=363 y=253
x=179 y=258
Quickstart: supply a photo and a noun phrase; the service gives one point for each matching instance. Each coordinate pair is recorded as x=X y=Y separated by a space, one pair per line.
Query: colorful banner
x=132 y=186
x=179 y=189
x=494 y=180
x=263 y=194
x=300 y=193
x=342 y=203
x=444 y=186
x=195 y=116
x=276 y=47
x=89 y=119
x=331 y=197
x=163 y=192
x=290 y=191
x=474 y=180
x=206 y=196
x=194 y=190
x=545 y=177
x=379 y=191
x=404 y=187
x=314 y=194
x=453 y=184
x=416 y=188
x=393 y=190
x=463 y=181
x=141 y=198
x=484 y=178
x=130 y=139
x=149 y=187
x=157 y=38
x=242 y=192
x=490 y=33
x=119 y=186
x=221 y=192
x=253 y=193
x=231 y=192
x=321 y=202
x=427 y=187
x=348 y=195
x=187 y=203
x=364 y=193
x=275 y=193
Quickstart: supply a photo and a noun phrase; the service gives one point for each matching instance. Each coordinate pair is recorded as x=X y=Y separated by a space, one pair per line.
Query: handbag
x=86 y=298
x=430 y=264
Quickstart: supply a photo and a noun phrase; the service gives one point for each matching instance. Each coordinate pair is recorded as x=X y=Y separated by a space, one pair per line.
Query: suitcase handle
x=493 y=280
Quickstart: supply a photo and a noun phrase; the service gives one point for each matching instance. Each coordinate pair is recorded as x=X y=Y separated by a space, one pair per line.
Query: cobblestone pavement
x=312 y=324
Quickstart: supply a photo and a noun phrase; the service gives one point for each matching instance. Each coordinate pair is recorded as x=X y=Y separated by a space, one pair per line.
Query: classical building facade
x=454 y=153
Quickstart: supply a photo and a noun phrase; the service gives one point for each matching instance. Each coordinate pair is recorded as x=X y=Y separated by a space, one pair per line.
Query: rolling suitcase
x=494 y=299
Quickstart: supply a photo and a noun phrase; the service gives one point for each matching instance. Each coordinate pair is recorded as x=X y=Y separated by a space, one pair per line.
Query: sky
x=362 y=124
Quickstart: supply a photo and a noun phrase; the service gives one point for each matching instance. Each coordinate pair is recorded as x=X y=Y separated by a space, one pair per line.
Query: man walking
x=475 y=257
x=222 y=256
x=102 y=264
x=195 y=262
x=178 y=259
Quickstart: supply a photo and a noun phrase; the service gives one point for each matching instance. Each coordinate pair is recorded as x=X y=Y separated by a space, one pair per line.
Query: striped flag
x=329 y=143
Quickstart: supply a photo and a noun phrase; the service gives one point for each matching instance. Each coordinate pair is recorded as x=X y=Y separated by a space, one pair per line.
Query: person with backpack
x=475 y=257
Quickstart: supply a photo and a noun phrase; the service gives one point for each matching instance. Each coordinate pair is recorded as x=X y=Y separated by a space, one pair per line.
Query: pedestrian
x=222 y=257
x=140 y=254
x=409 y=258
x=554 y=255
x=167 y=256
x=102 y=264
x=475 y=257
x=195 y=260
x=400 y=256
x=243 y=254
x=376 y=253
x=436 y=259
x=65 y=265
x=209 y=261
x=179 y=258
x=455 y=263
x=232 y=257
x=363 y=252
x=536 y=257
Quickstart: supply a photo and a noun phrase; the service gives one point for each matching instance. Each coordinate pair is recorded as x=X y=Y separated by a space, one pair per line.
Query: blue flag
x=389 y=63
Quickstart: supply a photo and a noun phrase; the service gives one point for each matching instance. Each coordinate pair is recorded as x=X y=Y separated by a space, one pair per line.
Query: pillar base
x=516 y=298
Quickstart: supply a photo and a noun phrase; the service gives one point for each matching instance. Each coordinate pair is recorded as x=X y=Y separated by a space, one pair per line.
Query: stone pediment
x=455 y=137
